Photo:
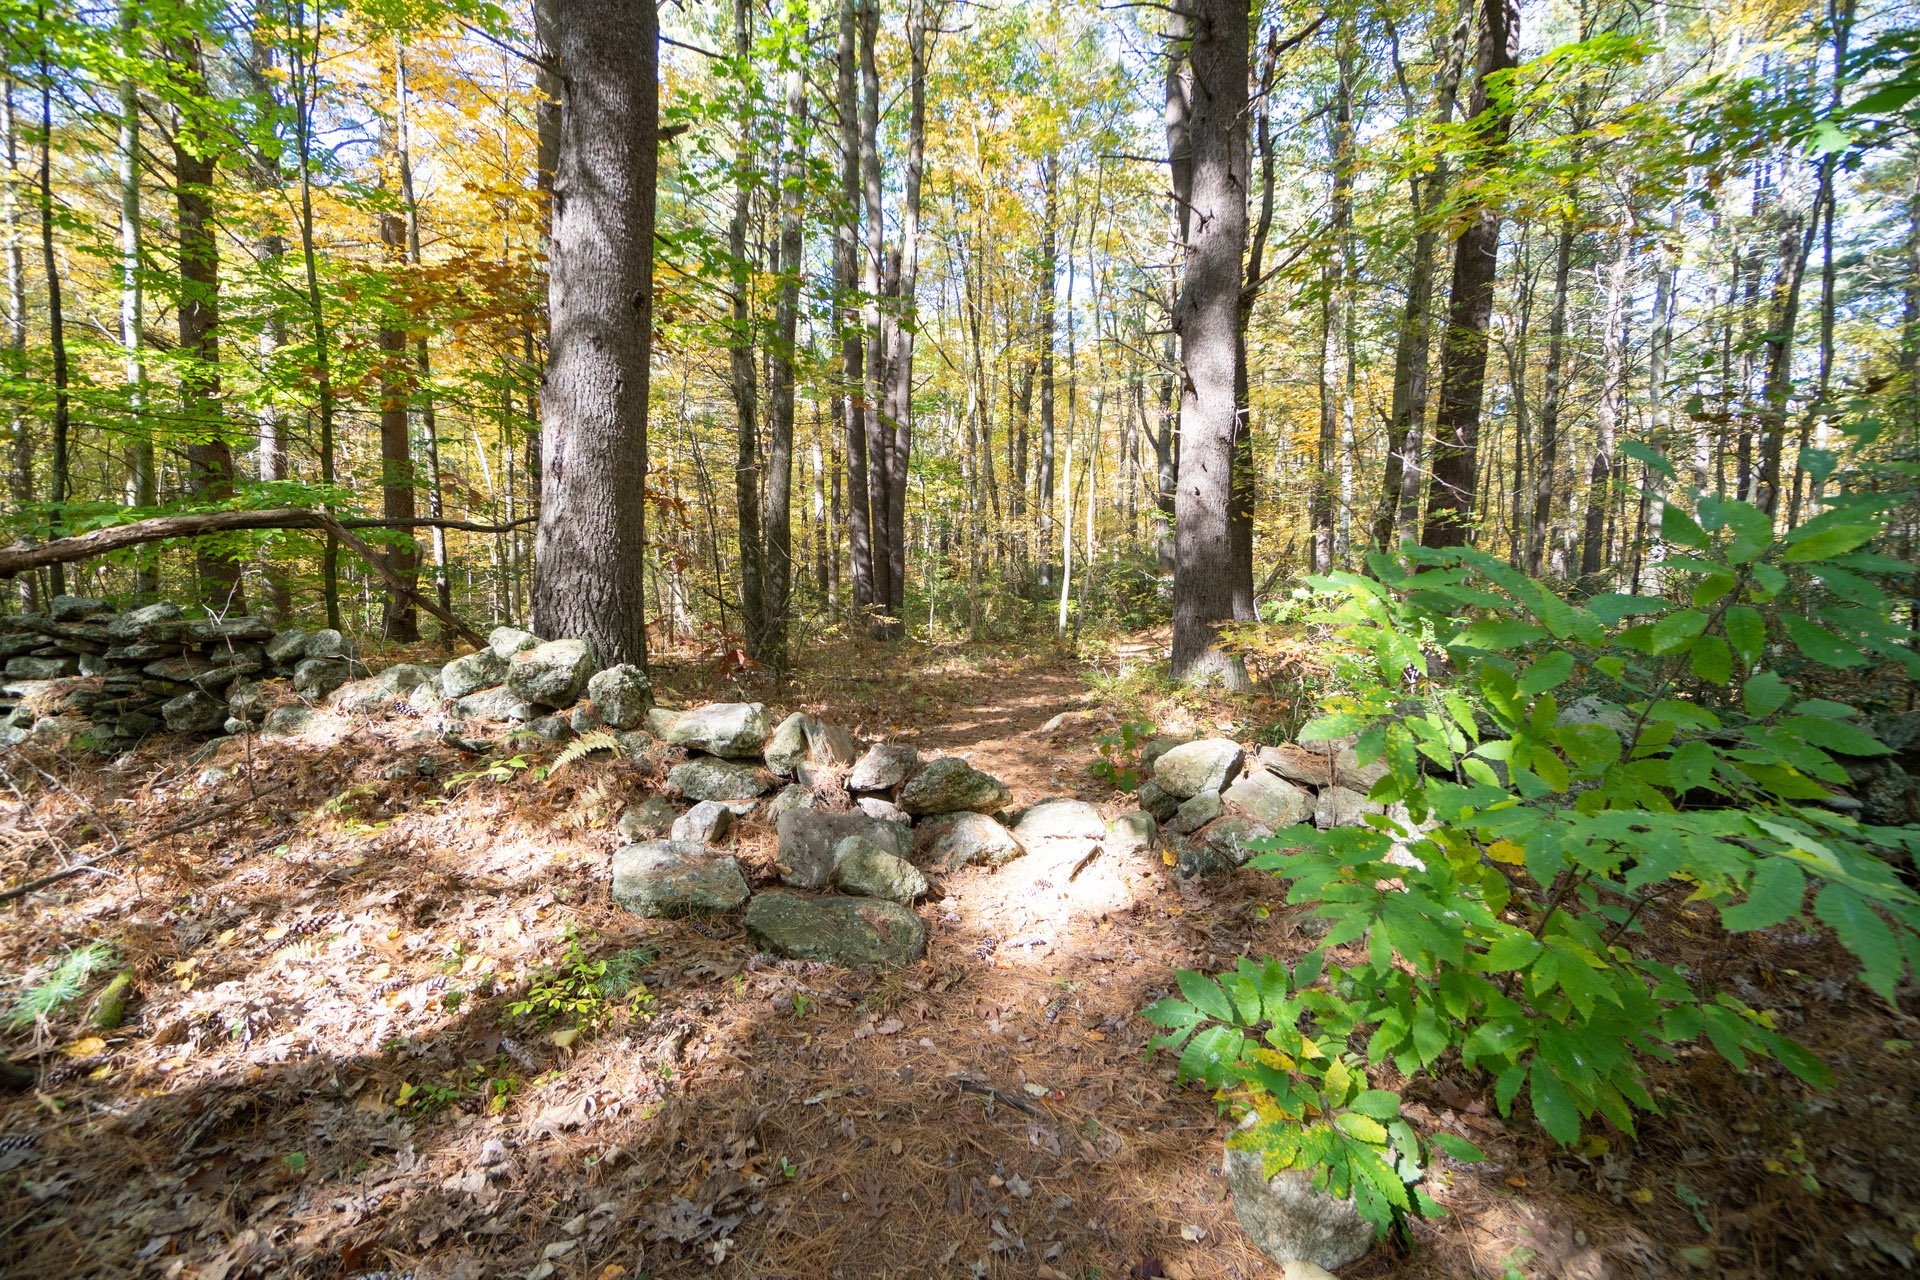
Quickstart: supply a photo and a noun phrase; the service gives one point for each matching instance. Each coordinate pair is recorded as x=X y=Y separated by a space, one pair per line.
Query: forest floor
x=321 y=1076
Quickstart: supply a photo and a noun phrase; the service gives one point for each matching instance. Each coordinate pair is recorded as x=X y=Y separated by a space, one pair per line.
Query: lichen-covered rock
x=707 y=778
x=1269 y=799
x=1055 y=821
x=676 y=878
x=1156 y=800
x=884 y=809
x=194 y=712
x=1221 y=849
x=787 y=748
x=481 y=669
x=622 y=695
x=326 y=643
x=884 y=766
x=76 y=608
x=507 y=641
x=426 y=696
x=554 y=728
x=1131 y=835
x=248 y=700
x=287 y=722
x=737 y=730
x=496 y=705
x=647 y=820
x=156 y=618
x=28 y=668
x=1342 y=807
x=1288 y=1219
x=378 y=692
x=660 y=720
x=791 y=796
x=318 y=677
x=809 y=836
x=955 y=840
x=706 y=823
x=1194 y=767
x=287 y=646
x=862 y=867
x=949 y=785
x=1196 y=812
x=553 y=674
x=829 y=745
x=585 y=718
x=847 y=931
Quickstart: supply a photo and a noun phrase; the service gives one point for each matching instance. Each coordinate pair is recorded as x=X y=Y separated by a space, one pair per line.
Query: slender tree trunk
x=1613 y=340
x=1207 y=319
x=306 y=90
x=904 y=317
x=399 y=617
x=851 y=406
x=19 y=435
x=880 y=521
x=142 y=484
x=422 y=355
x=1546 y=467
x=1463 y=346
x=1049 y=267
x=746 y=394
x=59 y=474
x=590 y=560
x=778 y=593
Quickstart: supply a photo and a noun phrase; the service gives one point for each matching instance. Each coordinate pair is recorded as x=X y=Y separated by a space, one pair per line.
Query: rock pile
x=117 y=676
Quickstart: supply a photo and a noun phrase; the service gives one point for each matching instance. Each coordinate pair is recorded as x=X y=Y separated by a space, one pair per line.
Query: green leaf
x=1774 y=895
x=1690 y=766
x=1365 y=1128
x=1711 y=660
x=1746 y=631
x=1378 y=1103
x=1514 y=952
x=1835 y=735
x=1549 y=673
x=1677 y=630
x=1498 y=634
x=1457 y=1147
x=1862 y=931
x=1552 y=1104
x=1677 y=526
x=1821 y=645
x=1205 y=995
x=1825 y=543
x=1648 y=456
x=1764 y=694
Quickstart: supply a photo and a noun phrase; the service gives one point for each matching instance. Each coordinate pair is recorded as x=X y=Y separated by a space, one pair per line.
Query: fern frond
x=61 y=985
x=585 y=745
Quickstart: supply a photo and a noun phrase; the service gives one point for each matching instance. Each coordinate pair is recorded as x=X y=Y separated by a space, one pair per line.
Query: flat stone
x=76 y=608
x=1052 y=821
x=318 y=677
x=791 y=796
x=1271 y=800
x=884 y=809
x=194 y=713
x=553 y=674
x=847 y=931
x=380 y=692
x=649 y=819
x=709 y=778
x=737 y=730
x=1290 y=1221
x=481 y=669
x=287 y=647
x=949 y=785
x=41 y=668
x=706 y=823
x=862 y=867
x=809 y=836
x=666 y=878
x=1194 y=767
x=622 y=695
x=660 y=720
x=955 y=840
x=1196 y=812
x=884 y=766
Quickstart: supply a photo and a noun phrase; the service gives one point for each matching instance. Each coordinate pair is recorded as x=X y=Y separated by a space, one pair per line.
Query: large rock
x=649 y=819
x=249 y=700
x=1289 y=1220
x=808 y=838
x=1270 y=800
x=956 y=840
x=287 y=647
x=318 y=677
x=496 y=705
x=791 y=796
x=1060 y=821
x=1221 y=849
x=76 y=608
x=883 y=808
x=829 y=745
x=1194 y=767
x=195 y=713
x=326 y=643
x=1342 y=807
x=41 y=668
x=553 y=674
x=1196 y=812
x=847 y=931
x=1156 y=800
x=862 y=867
x=1131 y=835
x=621 y=694
x=481 y=669
x=737 y=730
x=884 y=766
x=949 y=785
x=706 y=823
x=787 y=748
x=707 y=778
x=380 y=691
x=504 y=642
x=676 y=878
x=287 y=722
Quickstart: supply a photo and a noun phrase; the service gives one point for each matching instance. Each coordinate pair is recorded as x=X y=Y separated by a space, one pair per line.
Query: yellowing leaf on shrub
x=1508 y=852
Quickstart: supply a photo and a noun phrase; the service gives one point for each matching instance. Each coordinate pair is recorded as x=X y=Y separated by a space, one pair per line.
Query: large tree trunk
x=589 y=568
x=873 y=283
x=142 y=484
x=850 y=408
x=306 y=94
x=1049 y=265
x=59 y=473
x=209 y=455
x=1463 y=347
x=399 y=619
x=1207 y=319
x=778 y=489
x=746 y=393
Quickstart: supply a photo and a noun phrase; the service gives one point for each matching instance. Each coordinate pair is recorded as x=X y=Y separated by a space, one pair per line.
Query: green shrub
x=1497 y=923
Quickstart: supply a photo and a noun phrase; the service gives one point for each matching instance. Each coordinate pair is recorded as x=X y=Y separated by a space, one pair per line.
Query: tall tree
x=741 y=374
x=850 y=408
x=589 y=569
x=399 y=618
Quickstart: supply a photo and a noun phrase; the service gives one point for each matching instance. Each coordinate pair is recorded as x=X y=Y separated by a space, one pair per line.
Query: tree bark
x=1207 y=318
x=1463 y=346
x=777 y=595
x=1546 y=471
x=20 y=436
x=1613 y=342
x=851 y=403
x=399 y=620
x=142 y=487
x=741 y=375
x=873 y=283
x=58 y=474
x=590 y=558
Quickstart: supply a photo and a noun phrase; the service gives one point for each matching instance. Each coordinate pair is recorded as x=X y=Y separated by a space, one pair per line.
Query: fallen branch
x=128 y=846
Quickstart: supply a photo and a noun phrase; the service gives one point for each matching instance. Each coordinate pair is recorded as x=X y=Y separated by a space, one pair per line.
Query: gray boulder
x=287 y=722
x=1270 y=800
x=808 y=838
x=848 y=931
x=791 y=796
x=1289 y=1220
x=1196 y=812
x=287 y=647
x=1156 y=800
x=955 y=840
x=676 y=878
x=707 y=778
x=736 y=730
x=554 y=728
x=706 y=823
x=1060 y=821
x=496 y=705
x=949 y=785
x=884 y=809
x=829 y=745
x=76 y=608
x=158 y=619
x=380 y=691
x=621 y=694
x=553 y=674
x=426 y=696
x=1221 y=849
x=1131 y=835
x=585 y=718
x=862 y=867
x=660 y=720
x=247 y=700
x=787 y=748
x=194 y=713
x=41 y=668
x=1194 y=767
x=481 y=669
x=326 y=643
x=1342 y=807
x=318 y=677
x=647 y=820
x=884 y=766
x=504 y=642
